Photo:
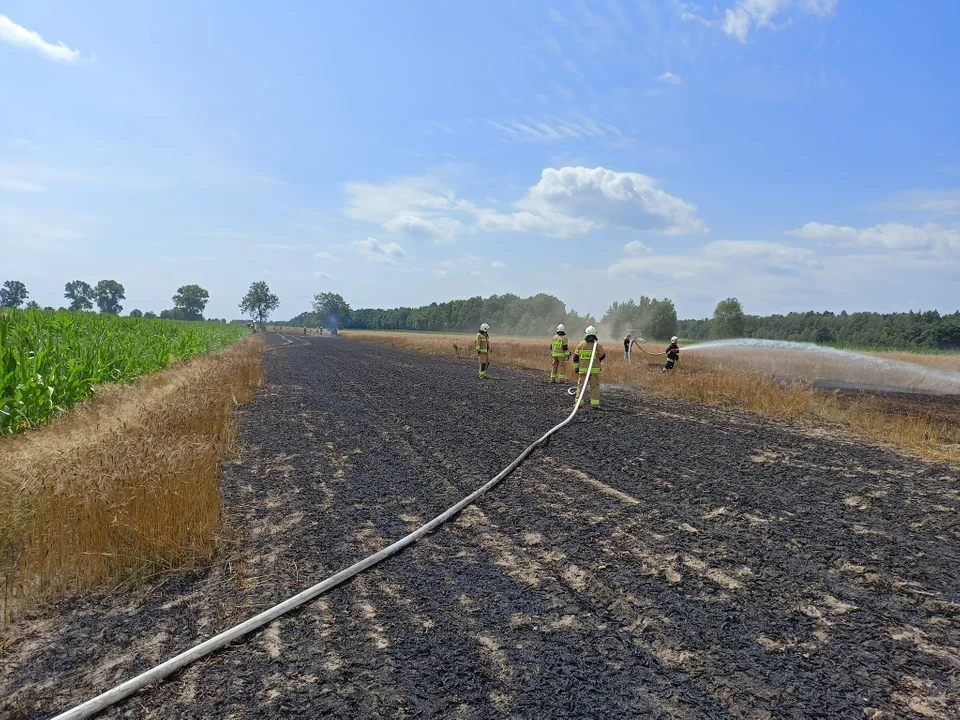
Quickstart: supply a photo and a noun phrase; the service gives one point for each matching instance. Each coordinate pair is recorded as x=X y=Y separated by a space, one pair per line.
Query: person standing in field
x=673 y=354
x=588 y=348
x=483 y=348
x=559 y=351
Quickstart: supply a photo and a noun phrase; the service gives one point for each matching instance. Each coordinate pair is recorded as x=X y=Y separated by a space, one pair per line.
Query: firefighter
x=581 y=361
x=483 y=348
x=559 y=351
x=673 y=354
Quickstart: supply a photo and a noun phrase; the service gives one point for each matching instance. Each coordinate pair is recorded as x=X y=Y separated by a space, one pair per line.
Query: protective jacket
x=559 y=348
x=584 y=351
x=483 y=343
x=673 y=352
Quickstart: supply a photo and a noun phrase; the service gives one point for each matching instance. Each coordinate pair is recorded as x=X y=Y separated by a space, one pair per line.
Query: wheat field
x=126 y=485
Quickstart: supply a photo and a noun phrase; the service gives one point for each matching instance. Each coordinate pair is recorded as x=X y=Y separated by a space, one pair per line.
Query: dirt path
x=657 y=559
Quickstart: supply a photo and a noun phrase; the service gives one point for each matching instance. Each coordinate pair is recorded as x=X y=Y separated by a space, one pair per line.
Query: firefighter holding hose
x=483 y=348
x=559 y=351
x=585 y=350
x=673 y=354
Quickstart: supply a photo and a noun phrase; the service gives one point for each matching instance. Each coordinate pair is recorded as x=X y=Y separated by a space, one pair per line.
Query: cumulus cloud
x=417 y=207
x=573 y=201
x=324 y=275
x=717 y=259
x=325 y=256
x=892 y=236
x=373 y=250
x=565 y=202
x=498 y=264
x=18 y=35
x=636 y=248
x=669 y=77
x=417 y=227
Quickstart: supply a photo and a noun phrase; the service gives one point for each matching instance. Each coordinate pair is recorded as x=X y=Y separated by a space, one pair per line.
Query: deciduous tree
x=79 y=294
x=108 y=294
x=259 y=302
x=191 y=299
x=13 y=294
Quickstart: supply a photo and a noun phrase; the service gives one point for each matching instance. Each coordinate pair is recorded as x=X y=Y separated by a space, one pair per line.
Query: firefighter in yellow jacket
x=581 y=361
x=483 y=348
x=559 y=351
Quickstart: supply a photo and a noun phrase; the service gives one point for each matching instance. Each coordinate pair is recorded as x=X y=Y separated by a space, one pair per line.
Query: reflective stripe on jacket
x=558 y=348
x=582 y=355
x=483 y=343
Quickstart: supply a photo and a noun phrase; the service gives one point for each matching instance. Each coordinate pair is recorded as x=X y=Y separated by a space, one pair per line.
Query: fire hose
x=115 y=694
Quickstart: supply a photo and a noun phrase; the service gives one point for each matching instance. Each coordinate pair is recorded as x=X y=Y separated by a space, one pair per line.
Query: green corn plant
x=49 y=361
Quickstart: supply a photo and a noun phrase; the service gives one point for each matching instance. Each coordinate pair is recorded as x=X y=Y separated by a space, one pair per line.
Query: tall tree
x=728 y=319
x=150 y=315
x=663 y=319
x=33 y=305
x=108 y=294
x=191 y=299
x=136 y=313
x=13 y=293
x=331 y=308
x=259 y=302
x=79 y=294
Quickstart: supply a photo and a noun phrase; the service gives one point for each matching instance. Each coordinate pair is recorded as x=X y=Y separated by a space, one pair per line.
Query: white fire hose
x=114 y=695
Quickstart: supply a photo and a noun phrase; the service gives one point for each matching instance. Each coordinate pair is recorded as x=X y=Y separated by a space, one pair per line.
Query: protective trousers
x=483 y=360
x=559 y=370
x=594 y=388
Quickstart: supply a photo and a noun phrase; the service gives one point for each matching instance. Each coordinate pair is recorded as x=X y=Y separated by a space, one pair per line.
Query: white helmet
x=484 y=327
x=673 y=339
x=561 y=328
x=590 y=330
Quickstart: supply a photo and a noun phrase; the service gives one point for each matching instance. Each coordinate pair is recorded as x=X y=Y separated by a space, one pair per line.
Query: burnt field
x=656 y=559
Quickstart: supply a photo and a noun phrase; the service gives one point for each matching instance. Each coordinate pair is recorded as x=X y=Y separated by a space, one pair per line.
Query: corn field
x=50 y=361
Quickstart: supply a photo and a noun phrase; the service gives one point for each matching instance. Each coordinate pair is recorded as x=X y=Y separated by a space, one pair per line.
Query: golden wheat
x=124 y=486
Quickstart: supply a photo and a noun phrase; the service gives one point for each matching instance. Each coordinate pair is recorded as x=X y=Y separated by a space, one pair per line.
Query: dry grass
x=917 y=428
x=126 y=485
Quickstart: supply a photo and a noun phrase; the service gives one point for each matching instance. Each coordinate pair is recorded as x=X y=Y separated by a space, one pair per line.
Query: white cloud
x=557 y=17
x=892 y=236
x=12 y=185
x=373 y=250
x=721 y=256
x=18 y=35
x=322 y=274
x=669 y=77
x=566 y=202
x=418 y=227
x=823 y=8
x=552 y=129
x=576 y=200
x=326 y=256
x=272 y=246
x=636 y=248
x=417 y=207
x=746 y=16
x=498 y=264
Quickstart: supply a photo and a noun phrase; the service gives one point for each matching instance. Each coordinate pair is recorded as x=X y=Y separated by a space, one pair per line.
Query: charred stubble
x=657 y=559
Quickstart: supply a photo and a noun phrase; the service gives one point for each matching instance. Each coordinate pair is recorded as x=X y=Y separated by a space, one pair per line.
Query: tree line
x=652 y=318
x=188 y=302
x=910 y=330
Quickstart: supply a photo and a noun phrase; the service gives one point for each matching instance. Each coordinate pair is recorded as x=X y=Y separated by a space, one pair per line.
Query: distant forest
x=649 y=317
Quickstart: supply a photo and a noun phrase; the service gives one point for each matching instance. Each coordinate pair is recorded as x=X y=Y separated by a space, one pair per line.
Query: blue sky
x=797 y=154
